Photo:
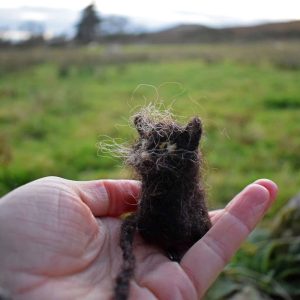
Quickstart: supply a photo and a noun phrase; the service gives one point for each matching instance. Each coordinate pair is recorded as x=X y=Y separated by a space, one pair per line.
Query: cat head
x=165 y=146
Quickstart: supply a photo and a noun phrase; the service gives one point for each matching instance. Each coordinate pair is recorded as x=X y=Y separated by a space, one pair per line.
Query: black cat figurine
x=172 y=213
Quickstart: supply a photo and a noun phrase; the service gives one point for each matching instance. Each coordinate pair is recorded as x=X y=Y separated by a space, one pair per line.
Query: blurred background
x=72 y=73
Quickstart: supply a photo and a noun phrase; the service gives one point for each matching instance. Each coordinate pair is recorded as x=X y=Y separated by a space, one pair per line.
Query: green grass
x=267 y=265
x=54 y=111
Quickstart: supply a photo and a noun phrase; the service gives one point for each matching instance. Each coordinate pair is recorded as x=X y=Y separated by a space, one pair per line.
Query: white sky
x=160 y=12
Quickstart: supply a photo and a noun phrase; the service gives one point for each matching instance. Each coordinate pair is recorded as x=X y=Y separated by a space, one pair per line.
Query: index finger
x=207 y=258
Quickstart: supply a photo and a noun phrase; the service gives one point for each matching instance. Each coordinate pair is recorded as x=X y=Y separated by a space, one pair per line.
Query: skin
x=59 y=240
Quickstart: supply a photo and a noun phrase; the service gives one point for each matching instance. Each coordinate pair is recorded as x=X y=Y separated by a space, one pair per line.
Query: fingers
x=108 y=197
x=207 y=258
x=269 y=185
x=215 y=215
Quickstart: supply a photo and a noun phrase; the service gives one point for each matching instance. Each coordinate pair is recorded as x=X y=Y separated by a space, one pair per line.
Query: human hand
x=59 y=240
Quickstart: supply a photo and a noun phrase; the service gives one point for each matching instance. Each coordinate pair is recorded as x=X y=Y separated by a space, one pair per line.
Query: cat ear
x=140 y=125
x=194 y=129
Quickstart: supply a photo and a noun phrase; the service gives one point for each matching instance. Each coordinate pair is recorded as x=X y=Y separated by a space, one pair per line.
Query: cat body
x=172 y=213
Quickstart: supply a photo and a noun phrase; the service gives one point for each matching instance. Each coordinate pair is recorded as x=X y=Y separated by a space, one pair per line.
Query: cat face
x=164 y=146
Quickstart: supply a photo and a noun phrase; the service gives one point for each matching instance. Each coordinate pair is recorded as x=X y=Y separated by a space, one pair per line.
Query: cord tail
x=122 y=286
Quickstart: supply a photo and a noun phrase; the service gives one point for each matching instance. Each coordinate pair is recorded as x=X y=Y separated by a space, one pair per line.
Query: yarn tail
x=122 y=286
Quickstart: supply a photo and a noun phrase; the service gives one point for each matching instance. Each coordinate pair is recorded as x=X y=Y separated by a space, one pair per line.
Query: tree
x=88 y=26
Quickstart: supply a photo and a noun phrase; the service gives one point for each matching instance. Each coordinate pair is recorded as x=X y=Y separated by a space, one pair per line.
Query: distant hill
x=198 y=33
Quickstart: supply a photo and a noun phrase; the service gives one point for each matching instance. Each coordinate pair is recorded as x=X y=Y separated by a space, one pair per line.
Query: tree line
x=91 y=27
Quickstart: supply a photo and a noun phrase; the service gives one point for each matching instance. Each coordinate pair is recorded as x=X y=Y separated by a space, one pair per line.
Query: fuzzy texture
x=171 y=214
x=128 y=230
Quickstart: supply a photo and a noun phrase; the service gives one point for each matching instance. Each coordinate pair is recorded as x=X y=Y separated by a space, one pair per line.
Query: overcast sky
x=157 y=13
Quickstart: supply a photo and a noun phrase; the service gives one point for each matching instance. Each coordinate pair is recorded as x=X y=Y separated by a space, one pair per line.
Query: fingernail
x=269 y=185
x=254 y=197
x=259 y=198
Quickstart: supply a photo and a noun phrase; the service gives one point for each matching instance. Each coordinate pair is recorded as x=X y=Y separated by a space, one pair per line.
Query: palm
x=60 y=244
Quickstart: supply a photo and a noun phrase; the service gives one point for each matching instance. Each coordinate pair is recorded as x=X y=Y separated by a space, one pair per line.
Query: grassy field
x=56 y=104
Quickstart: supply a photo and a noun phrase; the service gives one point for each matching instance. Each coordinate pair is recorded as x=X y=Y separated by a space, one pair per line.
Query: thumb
x=108 y=197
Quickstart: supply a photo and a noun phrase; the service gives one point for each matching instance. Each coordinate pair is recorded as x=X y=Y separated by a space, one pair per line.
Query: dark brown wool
x=172 y=214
